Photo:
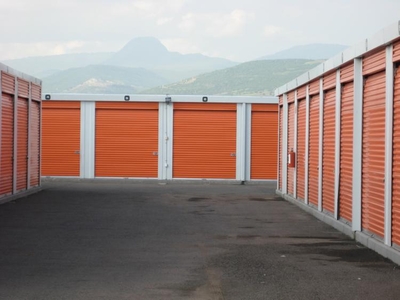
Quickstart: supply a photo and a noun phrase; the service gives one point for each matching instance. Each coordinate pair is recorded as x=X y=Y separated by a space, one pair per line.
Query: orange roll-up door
x=280 y=146
x=313 y=151
x=346 y=153
x=264 y=141
x=7 y=144
x=396 y=162
x=126 y=139
x=35 y=143
x=373 y=154
x=396 y=52
x=290 y=171
x=22 y=142
x=301 y=148
x=204 y=141
x=328 y=155
x=61 y=138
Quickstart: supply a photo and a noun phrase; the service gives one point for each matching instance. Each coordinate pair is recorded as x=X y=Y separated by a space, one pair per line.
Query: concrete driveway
x=132 y=240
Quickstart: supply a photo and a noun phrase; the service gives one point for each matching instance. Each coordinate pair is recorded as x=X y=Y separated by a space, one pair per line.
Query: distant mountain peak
x=140 y=44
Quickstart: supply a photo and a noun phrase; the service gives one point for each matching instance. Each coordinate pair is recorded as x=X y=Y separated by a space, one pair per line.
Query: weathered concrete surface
x=130 y=240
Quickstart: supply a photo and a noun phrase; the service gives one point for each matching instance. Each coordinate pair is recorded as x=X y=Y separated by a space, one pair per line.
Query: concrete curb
x=20 y=195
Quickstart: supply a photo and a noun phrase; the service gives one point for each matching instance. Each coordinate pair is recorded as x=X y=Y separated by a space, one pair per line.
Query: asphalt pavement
x=122 y=239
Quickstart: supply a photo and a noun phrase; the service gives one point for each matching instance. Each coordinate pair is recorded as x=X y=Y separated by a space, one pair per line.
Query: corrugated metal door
x=280 y=146
x=35 y=143
x=396 y=52
x=328 y=152
x=396 y=162
x=126 y=139
x=204 y=140
x=313 y=151
x=373 y=156
x=7 y=144
x=264 y=141
x=301 y=148
x=22 y=142
x=61 y=138
x=346 y=153
x=290 y=171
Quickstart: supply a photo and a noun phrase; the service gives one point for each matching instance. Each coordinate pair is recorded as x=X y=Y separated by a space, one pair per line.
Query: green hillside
x=260 y=77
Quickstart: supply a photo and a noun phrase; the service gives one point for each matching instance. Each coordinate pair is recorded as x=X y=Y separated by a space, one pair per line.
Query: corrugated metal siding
x=347 y=73
x=22 y=140
x=35 y=143
x=264 y=141
x=204 y=141
x=126 y=139
x=280 y=146
x=7 y=144
x=328 y=163
x=280 y=99
x=396 y=51
x=36 y=92
x=346 y=153
x=7 y=83
x=301 y=148
x=396 y=161
x=313 y=151
x=373 y=154
x=290 y=97
x=61 y=138
x=329 y=81
x=301 y=92
x=374 y=63
x=290 y=171
x=23 y=88
x=314 y=87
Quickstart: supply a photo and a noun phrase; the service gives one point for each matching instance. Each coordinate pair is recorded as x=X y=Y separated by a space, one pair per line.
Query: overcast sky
x=235 y=29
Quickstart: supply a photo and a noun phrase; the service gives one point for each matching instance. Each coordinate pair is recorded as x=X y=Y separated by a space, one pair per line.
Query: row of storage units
x=339 y=149
x=178 y=137
x=20 y=115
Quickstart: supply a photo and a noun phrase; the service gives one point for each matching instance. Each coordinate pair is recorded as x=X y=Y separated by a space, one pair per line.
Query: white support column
x=87 y=147
x=389 y=144
x=321 y=142
x=357 y=143
x=15 y=150
x=241 y=142
x=165 y=140
x=307 y=144
x=295 y=145
x=248 y=140
x=28 y=158
x=337 y=141
x=285 y=143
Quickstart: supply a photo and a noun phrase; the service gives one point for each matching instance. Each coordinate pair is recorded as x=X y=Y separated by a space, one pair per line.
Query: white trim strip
x=248 y=140
x=240 y=141
x=295 y=145
x=285 y=143
x=87 y=143
x=321 y=141
x=337 y=141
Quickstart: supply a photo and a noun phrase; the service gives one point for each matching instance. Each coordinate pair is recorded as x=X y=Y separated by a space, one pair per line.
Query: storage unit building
x=348 y=123
x=158 y=137
x=20 y=121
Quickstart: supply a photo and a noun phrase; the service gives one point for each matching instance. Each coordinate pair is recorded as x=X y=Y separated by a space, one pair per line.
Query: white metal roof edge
x=19 y=74
x=379 y=39
x=159 y=98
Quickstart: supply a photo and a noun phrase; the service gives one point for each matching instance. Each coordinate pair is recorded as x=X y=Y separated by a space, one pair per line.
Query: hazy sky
x=236 y=29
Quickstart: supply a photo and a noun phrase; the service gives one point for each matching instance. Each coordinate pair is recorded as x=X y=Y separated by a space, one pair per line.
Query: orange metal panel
x=329 y=81
x=264 y=141
x=313 y=151
x=7 y=83
x=347 y=73
x=328 y=152
x=301 y=92
x=396 y=162
x=346 y=153
x=301 y=148
x=396 y=51
x=373 y=156
x=290 y=171
x=7 y=144
x=290 y=97
x=23 y=88
x=35 y=144
x=22 y=142
x=314 y=87
x=204 y=141
x=61 y=138
x=280 y=146
x=36 y=92
x=374 y=63
x=126 y=140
